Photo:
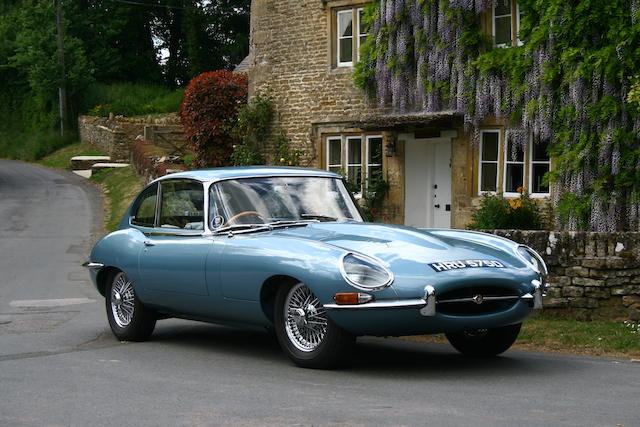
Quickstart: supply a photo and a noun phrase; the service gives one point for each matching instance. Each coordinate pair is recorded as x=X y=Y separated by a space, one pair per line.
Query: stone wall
x=592 y=275
x=114 y=135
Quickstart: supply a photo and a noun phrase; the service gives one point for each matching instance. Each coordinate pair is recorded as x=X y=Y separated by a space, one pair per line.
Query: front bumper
x=428 y=303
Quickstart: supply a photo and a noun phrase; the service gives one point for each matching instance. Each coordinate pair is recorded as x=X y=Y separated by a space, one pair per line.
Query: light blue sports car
x=287 y=249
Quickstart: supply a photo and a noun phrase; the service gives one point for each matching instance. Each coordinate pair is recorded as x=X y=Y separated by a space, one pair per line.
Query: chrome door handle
x=149 y=243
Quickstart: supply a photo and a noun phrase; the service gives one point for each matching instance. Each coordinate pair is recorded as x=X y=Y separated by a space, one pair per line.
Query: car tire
x=484 y=342
x=128 y=318
x=304 y=331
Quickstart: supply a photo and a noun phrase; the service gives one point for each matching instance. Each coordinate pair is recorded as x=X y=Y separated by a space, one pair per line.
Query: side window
x=182 y=205
x=145 y=212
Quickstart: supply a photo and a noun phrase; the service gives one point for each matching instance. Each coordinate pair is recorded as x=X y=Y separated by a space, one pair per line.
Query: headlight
x=364 y=272
x=533 y=259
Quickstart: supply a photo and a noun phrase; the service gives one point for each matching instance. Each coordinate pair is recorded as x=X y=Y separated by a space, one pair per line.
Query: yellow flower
x=521 y=190
x=282 y=160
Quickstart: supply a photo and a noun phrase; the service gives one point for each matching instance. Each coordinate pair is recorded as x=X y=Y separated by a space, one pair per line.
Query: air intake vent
x=476 y=300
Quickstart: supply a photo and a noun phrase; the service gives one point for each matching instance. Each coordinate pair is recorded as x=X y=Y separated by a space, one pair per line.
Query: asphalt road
x=60 y=365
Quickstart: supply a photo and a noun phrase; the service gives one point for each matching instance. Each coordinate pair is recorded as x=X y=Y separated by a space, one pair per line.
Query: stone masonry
x=592 y=275
x=114 y=135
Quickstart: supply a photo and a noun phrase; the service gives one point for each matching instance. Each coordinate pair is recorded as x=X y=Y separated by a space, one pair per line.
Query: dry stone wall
x=592 y=275
x=114 y=135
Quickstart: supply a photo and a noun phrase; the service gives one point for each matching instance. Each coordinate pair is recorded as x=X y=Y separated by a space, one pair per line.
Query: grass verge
x=60 y=158
x=120 y=187
x=596 y=337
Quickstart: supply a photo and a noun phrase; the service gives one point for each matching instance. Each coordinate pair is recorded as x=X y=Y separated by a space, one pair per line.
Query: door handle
x=437 y=206
x=149 y=243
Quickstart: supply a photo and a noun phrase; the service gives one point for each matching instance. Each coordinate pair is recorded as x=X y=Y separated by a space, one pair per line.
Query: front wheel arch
x=104 y=278
x=269 y=291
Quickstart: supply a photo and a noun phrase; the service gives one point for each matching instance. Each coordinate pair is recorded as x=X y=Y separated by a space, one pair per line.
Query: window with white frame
x=489 y=151
x=513 y=168
x=505 y=23
x=351 y=33
x=358 y=157
x=540 y=165
x=504 y=167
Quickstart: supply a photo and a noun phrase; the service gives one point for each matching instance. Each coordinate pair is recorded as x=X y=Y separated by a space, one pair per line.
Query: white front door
x=427 y=182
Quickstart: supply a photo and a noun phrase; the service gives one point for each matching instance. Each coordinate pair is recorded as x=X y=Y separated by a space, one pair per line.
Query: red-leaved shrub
x=208 y=113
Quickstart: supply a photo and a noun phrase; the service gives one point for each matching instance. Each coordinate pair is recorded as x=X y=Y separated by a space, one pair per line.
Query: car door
x=172 y=263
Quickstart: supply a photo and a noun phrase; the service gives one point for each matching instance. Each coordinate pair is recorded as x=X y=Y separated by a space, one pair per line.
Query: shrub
x=209 y=112
x=131 y=99
x=497 y=212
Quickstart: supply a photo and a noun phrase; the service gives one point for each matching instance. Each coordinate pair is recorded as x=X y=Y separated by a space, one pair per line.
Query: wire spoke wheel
x=305 y=318
x=122 y=301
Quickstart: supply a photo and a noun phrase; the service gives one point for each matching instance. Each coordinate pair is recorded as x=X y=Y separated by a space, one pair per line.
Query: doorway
x=427 y=182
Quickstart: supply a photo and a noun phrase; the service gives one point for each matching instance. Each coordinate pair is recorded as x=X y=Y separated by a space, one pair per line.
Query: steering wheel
x=241 y=214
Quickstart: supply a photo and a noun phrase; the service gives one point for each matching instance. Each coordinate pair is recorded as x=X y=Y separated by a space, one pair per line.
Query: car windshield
x=269 y=200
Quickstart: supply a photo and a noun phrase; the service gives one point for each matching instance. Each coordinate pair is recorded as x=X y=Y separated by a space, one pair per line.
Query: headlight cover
x=364 y=273
x=534 y=259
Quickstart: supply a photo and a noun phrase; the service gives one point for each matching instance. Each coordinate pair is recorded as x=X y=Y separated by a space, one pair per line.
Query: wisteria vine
x=567 y=85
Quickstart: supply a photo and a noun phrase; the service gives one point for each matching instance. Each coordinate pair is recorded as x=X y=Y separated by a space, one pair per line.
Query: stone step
x=100 y=166
x=87 y=162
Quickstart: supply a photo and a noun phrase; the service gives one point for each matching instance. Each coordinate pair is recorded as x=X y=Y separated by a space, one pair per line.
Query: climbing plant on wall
x=573 y=82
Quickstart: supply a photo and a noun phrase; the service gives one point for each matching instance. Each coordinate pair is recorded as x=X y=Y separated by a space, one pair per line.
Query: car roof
x=217 y=174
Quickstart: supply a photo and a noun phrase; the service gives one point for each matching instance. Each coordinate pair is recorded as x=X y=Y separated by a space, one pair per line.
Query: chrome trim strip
x=92 y=265
x=483 y=298
x=396 y=303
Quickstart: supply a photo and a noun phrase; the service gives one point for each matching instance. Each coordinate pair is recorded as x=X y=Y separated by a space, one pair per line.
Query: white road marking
x=50 y=302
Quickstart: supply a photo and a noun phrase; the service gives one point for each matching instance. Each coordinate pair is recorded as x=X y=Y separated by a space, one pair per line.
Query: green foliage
x=121 y=186
x=497 y=212
x=252 y=127
x=32 y=144
x=131 y=99
x=60 y=158
x=573 y=206
x=285 y=155
x=376 y=189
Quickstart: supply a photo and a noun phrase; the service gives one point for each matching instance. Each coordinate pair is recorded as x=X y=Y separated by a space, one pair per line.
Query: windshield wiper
x=248 y=228
x=318 y=217
x=242 y=227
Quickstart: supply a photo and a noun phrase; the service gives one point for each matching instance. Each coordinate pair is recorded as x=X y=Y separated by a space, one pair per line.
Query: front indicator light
x=351 y=298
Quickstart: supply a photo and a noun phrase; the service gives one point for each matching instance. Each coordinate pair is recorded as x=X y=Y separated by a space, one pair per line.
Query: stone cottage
x=304 y=52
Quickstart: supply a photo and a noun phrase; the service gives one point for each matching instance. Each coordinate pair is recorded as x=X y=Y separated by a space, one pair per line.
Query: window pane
x=354 y=154
x=503 y=30
x=490 y=146
x=514 y=177
x=345 y=24
x=146 y=211
x=182 y=205
x=540 y=152
x=375 y=151
x=514 y=156
x=537 y=173
x=489 y=177
x=374 y=172
x=354 y=175
x=335 y=157
x=361 y=27
x=503 y=7
x=336 y=169
x=346 y=50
